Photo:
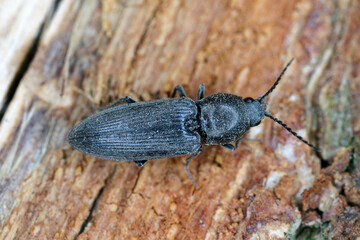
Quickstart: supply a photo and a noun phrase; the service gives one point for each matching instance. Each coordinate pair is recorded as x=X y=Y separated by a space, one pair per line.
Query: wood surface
x=20 y=24
x=91 y=53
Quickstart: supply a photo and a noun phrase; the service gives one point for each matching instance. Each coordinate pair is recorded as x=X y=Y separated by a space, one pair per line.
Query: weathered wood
x=104 y=50
x=20 y=22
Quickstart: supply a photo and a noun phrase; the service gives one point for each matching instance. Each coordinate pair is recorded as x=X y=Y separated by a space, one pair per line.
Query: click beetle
x=165 y=128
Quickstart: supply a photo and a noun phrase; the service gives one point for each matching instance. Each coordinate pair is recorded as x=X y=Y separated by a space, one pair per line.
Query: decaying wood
x=94 y=52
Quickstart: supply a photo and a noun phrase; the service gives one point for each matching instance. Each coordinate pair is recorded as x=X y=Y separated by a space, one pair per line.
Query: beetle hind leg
x=187 y=165
x=140 y=163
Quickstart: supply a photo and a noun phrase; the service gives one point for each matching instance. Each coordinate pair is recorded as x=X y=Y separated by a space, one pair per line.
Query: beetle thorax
x=223 y=118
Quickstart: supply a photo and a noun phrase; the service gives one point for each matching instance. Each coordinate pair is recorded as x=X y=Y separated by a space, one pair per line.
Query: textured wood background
x=59 y=59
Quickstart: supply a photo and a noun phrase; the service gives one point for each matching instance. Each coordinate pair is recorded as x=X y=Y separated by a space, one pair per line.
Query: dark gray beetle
x=171 y=127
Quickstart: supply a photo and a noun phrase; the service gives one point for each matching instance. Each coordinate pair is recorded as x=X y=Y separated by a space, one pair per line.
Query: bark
x=92 y=53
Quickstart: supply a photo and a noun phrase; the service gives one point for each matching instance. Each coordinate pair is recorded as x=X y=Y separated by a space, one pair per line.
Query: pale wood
x=20 y=23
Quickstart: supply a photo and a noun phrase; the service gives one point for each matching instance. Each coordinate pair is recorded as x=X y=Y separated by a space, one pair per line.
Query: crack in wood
x=21 y=71
x=136 y=181
x=92 y=208
x=94 y=203
x=143 y=35
x=29 y=57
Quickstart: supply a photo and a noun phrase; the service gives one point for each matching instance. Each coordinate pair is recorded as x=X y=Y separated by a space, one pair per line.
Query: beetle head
x=256 y=110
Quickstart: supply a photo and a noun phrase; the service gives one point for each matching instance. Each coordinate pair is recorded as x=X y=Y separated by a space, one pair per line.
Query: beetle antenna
x=291 y=131
x=261 y=99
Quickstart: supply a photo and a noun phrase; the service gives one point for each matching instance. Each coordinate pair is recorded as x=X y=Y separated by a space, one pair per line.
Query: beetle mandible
x=165 y=128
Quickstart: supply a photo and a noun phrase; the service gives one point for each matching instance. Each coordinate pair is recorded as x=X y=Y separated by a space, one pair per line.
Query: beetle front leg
x=180 y=90
x=121 y=100
x=187 y=165
x=233 y=147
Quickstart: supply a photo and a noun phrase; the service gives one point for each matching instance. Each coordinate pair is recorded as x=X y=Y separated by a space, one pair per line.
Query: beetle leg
x=124 y=99
x=201 y=91
x=187 y=165
x=180 y=90
x=140 y=163
x=233 y=147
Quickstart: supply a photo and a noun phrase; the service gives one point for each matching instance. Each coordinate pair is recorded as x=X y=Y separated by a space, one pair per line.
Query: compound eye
x=248 y=100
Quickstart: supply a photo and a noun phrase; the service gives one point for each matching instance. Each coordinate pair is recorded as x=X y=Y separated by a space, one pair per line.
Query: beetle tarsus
x=121 y=100
x=180 y=90
x=201 y=91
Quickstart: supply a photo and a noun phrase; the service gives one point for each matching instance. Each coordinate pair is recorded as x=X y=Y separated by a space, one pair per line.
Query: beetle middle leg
x=187 y=165
x=180 y=90
x=121 y=100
